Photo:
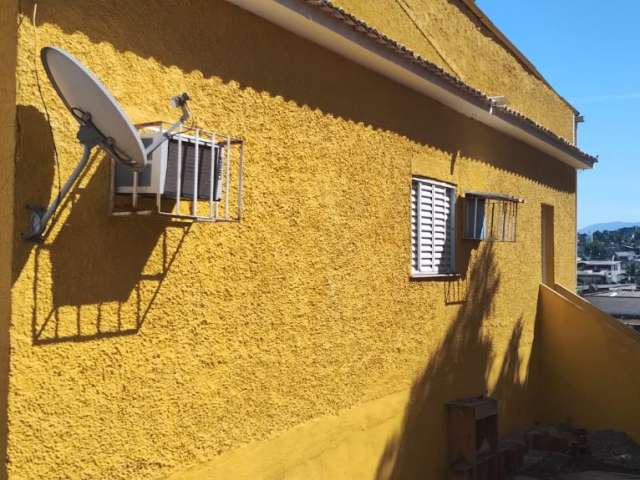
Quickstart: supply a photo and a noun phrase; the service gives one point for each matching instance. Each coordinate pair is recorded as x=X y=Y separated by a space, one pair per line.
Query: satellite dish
x=103 y=123
x=83 y=94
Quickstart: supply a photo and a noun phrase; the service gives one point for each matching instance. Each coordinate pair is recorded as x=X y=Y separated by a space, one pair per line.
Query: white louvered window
x=432 y=227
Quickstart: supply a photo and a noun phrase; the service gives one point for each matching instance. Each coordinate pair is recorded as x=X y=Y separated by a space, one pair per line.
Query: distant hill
x=608 y=226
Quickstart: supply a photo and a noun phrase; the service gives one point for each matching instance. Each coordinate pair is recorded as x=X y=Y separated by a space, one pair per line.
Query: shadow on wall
x=89 y=241
x=459 y=368
x=224 y=41
x=34 y=176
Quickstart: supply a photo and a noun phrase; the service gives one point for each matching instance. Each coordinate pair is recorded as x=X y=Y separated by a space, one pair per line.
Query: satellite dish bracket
x=89 y=136
x=177 y=101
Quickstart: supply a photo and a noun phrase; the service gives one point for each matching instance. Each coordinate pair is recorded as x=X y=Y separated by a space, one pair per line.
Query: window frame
x=451 y=233
x=480 y=221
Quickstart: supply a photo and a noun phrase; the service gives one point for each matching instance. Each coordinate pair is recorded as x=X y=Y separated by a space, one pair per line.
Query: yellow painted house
x=409 y=182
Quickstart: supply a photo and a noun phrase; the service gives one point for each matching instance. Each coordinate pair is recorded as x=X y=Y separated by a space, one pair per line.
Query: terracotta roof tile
x=460 y=87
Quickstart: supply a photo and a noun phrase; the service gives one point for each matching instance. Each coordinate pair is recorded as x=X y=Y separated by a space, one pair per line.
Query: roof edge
x=515 y=51
x=333 y=28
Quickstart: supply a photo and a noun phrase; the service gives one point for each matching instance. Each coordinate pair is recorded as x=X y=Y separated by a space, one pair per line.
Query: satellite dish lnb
x=103 y=123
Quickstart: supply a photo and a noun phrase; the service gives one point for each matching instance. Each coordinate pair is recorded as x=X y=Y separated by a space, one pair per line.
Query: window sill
x=434 y=276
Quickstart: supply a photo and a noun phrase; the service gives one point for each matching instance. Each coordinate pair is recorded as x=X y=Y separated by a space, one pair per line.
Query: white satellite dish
x=102 y=121
x=83 y=94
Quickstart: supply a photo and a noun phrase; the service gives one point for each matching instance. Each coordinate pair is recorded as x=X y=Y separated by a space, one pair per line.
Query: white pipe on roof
x=309 y=22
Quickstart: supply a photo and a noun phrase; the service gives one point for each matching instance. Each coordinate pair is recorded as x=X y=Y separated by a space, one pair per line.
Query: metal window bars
x=491 y=216
x=196 y=175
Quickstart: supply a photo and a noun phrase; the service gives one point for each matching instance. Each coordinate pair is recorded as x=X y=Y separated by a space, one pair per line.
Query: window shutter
x=432 y=224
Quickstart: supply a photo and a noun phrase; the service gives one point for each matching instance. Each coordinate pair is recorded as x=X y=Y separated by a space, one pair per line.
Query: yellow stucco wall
x=448 y=34
x=140 y=348
x=584 y=358
x=349 y=445
x=8 y=41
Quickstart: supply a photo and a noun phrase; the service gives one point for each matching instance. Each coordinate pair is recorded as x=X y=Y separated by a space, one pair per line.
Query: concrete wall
x=8 y=40
x=140 y=347
x=586 y=364
x=448 y=34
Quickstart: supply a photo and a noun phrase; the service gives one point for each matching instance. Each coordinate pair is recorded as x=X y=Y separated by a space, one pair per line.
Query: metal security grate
x=490 y=216
x=196 y=172
x=195 y=175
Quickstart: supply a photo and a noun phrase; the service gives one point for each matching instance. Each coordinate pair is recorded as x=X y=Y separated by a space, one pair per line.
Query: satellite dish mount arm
x=90 y=137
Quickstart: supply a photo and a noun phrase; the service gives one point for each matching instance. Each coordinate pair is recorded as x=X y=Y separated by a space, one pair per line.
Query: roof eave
x=356 y=42
x=486 y=21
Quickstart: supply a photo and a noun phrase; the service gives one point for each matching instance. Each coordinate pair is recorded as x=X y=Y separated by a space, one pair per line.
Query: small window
x=490 y=216
x=432 y=227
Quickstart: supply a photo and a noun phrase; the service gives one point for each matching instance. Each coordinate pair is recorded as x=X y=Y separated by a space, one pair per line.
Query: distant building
x=599 y=272
x=624 y=306
x=624 y=256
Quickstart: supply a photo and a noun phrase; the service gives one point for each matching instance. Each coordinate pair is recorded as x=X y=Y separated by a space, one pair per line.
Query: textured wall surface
x=585 y=354
x=448 y=34
x=348 y=445
x=141 y=347
x=8 y=42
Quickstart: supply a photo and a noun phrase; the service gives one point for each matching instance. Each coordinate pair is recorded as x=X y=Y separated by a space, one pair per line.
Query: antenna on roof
x=103 y=123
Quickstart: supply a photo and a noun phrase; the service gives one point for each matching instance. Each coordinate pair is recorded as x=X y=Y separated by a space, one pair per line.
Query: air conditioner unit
x=195 y=174
x=152 y=179
x=178 y=168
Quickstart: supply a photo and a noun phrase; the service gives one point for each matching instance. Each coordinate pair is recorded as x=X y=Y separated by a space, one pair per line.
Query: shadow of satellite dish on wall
x=97 y=262
x=107 y=253
x=91 y=259
x=34 y=176
x=114 y=251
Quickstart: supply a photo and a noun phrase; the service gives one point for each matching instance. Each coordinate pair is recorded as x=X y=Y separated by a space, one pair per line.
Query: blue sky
x=590 y=52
